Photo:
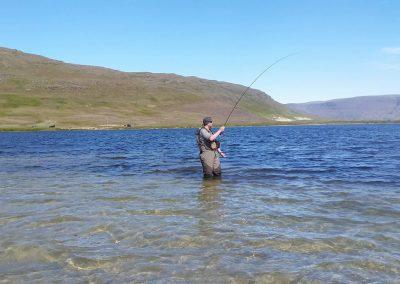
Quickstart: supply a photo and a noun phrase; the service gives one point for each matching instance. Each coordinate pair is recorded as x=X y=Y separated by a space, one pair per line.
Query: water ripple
x=316 y=204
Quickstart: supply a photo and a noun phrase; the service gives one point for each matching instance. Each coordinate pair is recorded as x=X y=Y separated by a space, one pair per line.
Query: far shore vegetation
x=125 y=127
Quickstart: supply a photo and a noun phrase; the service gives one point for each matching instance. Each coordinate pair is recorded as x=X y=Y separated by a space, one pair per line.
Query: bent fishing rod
x=245 y=91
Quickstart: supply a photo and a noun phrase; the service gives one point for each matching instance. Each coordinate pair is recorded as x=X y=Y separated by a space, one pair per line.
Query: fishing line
x=245 y=91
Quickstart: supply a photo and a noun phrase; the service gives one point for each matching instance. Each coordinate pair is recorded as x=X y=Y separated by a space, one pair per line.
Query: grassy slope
x=37 y=91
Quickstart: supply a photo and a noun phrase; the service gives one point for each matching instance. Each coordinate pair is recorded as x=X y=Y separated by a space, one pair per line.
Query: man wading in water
x=209 y=154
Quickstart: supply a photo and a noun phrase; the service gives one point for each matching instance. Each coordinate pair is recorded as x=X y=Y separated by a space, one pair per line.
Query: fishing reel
x=215 y=145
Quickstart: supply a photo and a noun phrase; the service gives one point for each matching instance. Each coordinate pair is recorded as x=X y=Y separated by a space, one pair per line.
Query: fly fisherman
x=209 y=151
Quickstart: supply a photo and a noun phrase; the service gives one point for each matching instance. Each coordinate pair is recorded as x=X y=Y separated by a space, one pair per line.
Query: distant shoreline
x=92 y=128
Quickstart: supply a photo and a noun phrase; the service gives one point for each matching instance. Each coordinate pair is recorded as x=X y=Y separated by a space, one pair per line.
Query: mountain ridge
x=359 y=108
x=36 y=90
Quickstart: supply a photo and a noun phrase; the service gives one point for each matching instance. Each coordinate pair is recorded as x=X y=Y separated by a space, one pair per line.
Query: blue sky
x=344 y=47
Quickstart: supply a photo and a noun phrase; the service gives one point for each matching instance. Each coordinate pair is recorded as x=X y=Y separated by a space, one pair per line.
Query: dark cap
x=207 y=120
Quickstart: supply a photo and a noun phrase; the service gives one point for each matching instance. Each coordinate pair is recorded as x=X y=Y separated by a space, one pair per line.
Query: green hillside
x=37 y=92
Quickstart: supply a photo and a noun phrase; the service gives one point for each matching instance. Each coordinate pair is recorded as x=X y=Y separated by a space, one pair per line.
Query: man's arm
x=216 y=134
x=221 y=153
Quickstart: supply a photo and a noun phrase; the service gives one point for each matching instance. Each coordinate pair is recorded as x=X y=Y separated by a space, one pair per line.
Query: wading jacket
x=203 y=139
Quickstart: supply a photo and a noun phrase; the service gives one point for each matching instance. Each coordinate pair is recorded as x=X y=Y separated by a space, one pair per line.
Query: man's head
x=207 y=121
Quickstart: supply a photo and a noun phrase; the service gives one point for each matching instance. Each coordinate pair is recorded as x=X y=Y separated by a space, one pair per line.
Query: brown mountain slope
x=365 y=108
x=37 y=91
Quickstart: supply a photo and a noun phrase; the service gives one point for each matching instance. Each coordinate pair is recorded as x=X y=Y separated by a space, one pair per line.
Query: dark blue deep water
x=295 y=204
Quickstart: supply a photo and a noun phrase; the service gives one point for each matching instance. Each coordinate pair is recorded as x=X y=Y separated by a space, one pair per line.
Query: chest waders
x=209 y=156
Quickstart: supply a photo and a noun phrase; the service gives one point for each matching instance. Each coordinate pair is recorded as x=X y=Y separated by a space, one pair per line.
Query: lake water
x=295 y=204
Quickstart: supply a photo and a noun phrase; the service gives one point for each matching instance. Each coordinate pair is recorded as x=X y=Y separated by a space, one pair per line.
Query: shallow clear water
x=301 y=204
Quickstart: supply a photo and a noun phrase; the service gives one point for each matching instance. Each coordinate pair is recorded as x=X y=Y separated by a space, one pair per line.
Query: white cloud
x=391 y=50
